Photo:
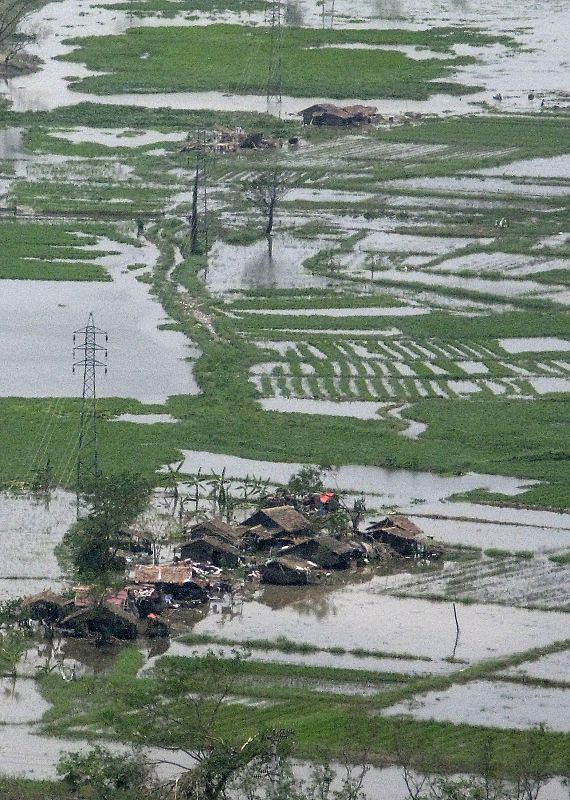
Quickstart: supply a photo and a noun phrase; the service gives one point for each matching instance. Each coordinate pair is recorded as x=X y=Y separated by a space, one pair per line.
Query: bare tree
x=265 y=192
x=12 y=14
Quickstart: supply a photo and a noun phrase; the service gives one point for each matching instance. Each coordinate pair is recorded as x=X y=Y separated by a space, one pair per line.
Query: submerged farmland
x=405 y=326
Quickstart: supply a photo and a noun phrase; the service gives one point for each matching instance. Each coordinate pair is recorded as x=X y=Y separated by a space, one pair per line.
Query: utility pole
x=275 y=65
x=90 y=355
x=199 y=187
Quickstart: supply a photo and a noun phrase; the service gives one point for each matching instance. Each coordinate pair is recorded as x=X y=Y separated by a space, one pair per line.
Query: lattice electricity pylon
x=93 y=356
x=275 y=66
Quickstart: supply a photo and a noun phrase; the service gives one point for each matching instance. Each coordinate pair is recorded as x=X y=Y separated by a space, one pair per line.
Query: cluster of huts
x=329 y=114
x=277 y=544
x=224 y=140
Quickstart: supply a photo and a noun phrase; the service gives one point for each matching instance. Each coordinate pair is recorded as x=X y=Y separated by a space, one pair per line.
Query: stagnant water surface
x=360 y=616
x=538 y=66
x=492 y=704
x=144 y=362
x=399 y=487
x=30 y=528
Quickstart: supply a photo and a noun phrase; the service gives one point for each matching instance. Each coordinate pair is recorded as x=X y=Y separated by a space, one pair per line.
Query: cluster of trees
x=261 y=768
x=90 y=547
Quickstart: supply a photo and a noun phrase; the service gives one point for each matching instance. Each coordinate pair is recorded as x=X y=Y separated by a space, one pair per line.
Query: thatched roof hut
x=103 y=621
x=286 y=571
x=47 y=606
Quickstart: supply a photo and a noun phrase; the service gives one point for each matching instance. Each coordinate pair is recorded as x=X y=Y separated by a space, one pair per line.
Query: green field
x=180 y=59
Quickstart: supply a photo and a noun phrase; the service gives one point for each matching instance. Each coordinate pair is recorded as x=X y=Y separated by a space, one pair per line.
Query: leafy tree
x=100 y=774
x=308 y=480
x=90 y=547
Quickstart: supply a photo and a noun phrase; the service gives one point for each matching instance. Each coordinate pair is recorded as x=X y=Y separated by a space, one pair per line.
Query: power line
x=92 y=356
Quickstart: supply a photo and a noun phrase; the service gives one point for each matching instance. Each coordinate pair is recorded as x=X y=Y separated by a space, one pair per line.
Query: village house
x=276 y=527
x=403 y=537
x=211 y=549
x=215 y=528
x=176 y=580
x=47 y=606
x=327 y=552
x=102 y=621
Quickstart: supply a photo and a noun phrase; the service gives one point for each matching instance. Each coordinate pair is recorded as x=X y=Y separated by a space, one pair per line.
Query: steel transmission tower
x=90 y=355
x=273 y=13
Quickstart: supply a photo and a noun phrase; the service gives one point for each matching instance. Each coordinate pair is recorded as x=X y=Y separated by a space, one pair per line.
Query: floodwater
x=538 y=65
x=492 y=704
x=481 y=185
x=554 y=167
x=405 y=666
x=537 y=344
x=371 y=311
x=349 y=408
x=494 y=534
x=363 y=616
x=237 y=267
x=555 y=667
x=20 y=701
x=396 y=487
x=144 y=362
x=146 y=419
x=117 y=137
x=30 y=528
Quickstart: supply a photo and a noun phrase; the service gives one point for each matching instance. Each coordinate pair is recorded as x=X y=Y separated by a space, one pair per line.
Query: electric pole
x=275 y=65
x=90 y=355
x=199 y=219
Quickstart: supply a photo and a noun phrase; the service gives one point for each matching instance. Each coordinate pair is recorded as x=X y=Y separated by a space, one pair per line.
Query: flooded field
x=391 y=487
x=144 y=362
x=555 y=667
x=30 y=529
x=497 y=705
x=516 y=581
x=414 y=269
x=363 y=616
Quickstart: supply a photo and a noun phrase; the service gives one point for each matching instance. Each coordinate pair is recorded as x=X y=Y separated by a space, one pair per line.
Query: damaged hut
x=47 y=606
x=327 y=552
x=217 y=529
x=210 y=549
x=338 y=116
x=175 y=580
x=403 y=537
x=276 y=527
x=102 y=621
x=286 y=571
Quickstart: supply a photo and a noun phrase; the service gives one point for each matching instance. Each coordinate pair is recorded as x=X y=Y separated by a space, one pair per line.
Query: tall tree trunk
x=270 y=214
